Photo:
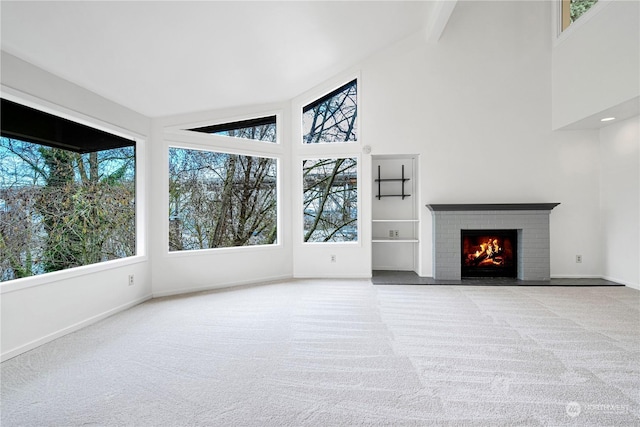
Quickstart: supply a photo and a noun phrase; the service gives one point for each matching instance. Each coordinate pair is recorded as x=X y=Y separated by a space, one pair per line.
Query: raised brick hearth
x=531 y=220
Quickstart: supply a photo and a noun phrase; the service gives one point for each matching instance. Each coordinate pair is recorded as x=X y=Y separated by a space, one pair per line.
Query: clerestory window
x=333 y=117
x=260 y=129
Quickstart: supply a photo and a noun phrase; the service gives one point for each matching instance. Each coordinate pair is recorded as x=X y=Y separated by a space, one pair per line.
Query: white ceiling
x=163 y=58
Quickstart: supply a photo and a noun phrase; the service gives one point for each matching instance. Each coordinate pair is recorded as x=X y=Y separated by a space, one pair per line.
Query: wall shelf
x=402 y=180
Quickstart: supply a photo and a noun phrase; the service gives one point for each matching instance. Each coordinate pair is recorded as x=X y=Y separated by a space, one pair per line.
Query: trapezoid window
x=260 y=129
x=333 y=117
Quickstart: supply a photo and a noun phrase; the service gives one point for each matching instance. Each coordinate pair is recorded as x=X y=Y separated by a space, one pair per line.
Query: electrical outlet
x=131 y=280
x=578 y=258
x=333 y=258
x=396 y=234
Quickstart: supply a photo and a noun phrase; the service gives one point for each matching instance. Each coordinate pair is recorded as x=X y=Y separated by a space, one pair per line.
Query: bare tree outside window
x=330 y=184
x=60 y=209
x=330 y=200
x=219 y=200
x=332 y=118
x=261 y=129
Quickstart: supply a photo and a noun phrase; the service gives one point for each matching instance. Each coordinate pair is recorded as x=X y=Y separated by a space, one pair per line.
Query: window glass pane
x=261 y=129
x=574 y=9
x=61 y=209
x=579 y=7
x=332 y=118
x=219 y=200
x=330 y=200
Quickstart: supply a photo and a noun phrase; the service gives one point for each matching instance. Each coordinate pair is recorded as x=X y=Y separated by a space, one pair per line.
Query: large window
x=64 y=201
x=219 y=200
x=330 y=200
x=333 y=117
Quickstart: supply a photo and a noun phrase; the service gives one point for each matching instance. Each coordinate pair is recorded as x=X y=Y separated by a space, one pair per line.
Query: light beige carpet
x=334 y=353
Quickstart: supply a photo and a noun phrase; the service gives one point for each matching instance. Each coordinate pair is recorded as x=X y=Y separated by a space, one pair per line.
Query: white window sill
x=57 y=276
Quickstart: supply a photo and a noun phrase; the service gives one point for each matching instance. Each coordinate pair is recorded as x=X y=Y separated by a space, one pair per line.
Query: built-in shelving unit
x=393 y=239
x=395 y=222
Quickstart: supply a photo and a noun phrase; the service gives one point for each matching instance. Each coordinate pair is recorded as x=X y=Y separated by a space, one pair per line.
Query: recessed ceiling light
x=607 y=119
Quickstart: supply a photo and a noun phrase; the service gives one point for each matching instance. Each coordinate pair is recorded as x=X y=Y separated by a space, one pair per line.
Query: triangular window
x=333 y=117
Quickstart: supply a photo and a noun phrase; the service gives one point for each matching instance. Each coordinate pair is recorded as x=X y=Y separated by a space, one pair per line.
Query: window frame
x=140 y=194
x=241 y=124
x=559 y=34
x=183 y=131
x=212 y=149
x=358 y=158
x=302 y=151
x=175 y=136
x=320 y=94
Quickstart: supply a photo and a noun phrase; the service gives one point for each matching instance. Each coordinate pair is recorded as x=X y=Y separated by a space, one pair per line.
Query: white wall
x=179 y=272
x=596 y=63
x=38 y=309
x=476 y=107
x=620 y=201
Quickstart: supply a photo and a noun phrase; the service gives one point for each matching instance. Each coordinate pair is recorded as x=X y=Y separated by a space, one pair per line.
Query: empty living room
x=320 y=213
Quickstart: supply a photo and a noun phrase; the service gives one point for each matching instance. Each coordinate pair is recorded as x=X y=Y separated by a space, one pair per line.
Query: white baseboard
x=75 y=327
x=596 y=276
x=622 y=282
x=576 y=276
x=264 y=280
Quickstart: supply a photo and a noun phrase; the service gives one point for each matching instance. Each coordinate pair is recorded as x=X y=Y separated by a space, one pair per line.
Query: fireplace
x=530 y=246
x=489 y=253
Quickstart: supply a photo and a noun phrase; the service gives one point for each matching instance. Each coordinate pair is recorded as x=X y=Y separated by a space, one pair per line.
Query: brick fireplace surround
x=531 y=220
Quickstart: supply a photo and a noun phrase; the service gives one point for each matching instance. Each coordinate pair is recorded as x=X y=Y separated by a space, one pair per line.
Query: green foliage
x=579 y=7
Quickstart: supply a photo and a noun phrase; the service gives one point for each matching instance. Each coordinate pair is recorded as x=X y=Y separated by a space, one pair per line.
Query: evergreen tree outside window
x=333 y=117
x=221 y=200
x=330 y=200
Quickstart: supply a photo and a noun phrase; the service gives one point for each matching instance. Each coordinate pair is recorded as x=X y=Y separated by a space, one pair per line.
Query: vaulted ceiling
x=163 y=58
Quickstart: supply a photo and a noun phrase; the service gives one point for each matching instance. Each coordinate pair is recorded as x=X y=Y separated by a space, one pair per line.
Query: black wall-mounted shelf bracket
x=380 y=180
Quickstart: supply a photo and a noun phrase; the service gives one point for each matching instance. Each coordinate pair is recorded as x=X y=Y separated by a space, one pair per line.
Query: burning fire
x=489 y=253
